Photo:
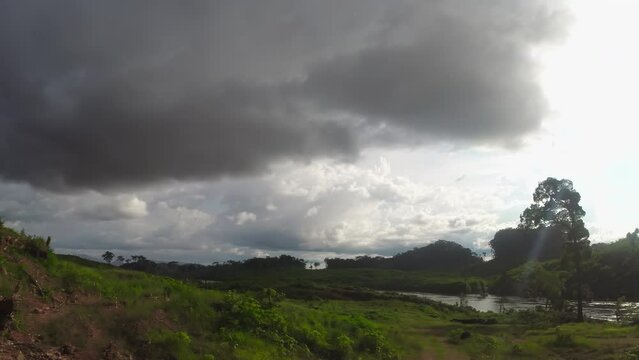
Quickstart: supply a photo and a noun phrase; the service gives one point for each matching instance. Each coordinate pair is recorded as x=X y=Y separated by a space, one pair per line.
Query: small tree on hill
x=108 y=256
x=556 y=204
x=633 y=238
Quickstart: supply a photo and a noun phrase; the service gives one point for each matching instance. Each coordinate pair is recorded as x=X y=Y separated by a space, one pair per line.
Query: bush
x=36 y=247
x=563 y=340
x=269 y=298
x=632 y=354
x=343 y=346
x=372 y=342
x=312 y=338
x=516 y=350
x=376 y=343
x=169 y=345
x=455 y=336
x=243 y=312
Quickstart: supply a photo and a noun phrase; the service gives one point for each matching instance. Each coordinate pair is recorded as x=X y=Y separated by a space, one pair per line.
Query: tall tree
x=556 y=204
x=108 y=256
x=633 y=238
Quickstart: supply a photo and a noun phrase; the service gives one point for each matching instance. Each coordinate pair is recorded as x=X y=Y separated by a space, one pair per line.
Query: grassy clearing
x=150 y=313
x=157 y=317
x=295 y=282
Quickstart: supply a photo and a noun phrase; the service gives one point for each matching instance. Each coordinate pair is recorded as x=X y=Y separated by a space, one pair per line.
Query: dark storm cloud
x=100 y=94
x=467 y=73
x=435 y=88
x=127 y=140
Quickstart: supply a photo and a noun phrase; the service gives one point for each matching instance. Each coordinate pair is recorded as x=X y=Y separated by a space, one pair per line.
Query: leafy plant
x=563 y=340
x=170 y=345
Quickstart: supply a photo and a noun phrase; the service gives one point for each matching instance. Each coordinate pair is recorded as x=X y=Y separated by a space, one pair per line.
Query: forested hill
x=520 y=256
x=440 y=256
x=511 y=247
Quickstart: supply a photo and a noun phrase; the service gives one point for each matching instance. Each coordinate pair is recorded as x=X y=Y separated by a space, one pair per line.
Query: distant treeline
x=525 y=262
x=440 y=256
x=613 y=269
x=216 y=270
x=610 y=271
x=510 y=247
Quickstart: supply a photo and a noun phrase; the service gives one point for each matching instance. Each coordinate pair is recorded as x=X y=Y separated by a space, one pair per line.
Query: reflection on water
x=601 y=310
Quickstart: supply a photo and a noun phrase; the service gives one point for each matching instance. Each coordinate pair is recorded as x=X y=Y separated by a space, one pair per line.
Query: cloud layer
x=98 y=95
x=317 y=210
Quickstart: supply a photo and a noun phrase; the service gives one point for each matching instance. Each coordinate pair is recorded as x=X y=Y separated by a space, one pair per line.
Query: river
x=600 y=310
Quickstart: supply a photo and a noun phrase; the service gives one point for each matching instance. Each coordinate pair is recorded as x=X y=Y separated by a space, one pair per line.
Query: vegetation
x=155 y=317
x=276 y=308
x=556 y=205
x=440 y=256
x=613 y=269
x=513 y=247
x=108 y=257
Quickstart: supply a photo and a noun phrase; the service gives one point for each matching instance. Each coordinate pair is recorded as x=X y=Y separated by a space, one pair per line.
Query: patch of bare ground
x=39 y=323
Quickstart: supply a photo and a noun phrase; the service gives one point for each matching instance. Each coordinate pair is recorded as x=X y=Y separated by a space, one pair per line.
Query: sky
x=207 y=131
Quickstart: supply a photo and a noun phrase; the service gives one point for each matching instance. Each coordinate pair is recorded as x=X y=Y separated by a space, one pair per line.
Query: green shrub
x=36 y=247
x=269 y=298
x=563 y=340
x=454 y=336
x=374 y=342
x=243 y=312
x=632 y=354
x=169 y=345
x=371 y=341
x=343 y=346
x=312 y=338
x=516 y=350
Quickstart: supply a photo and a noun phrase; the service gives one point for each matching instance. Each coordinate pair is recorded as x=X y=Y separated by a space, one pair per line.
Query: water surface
x=600 y=310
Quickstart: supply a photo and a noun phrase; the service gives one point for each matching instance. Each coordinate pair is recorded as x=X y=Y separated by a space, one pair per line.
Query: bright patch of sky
x=590 y=81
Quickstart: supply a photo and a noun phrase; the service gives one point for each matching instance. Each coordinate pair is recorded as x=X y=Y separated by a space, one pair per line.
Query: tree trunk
x=635 y=270
x=580 y=305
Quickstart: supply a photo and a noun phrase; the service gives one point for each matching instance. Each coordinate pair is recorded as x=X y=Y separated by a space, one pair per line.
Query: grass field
x=95 y=309
x=380 y=279
x=159 y=315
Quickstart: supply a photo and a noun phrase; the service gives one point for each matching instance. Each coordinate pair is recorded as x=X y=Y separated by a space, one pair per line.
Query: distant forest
x=547 y=255
x=520 y=256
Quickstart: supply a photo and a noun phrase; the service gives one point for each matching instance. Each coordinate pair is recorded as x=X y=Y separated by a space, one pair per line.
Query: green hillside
x=65 y=307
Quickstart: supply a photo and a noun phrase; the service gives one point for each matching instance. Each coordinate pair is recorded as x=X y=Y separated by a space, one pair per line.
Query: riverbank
x=596 y=310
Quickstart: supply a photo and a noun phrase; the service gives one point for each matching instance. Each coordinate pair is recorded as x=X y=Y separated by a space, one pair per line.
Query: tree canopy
x=556 y=204
x=512 y=247
x=442 y=256
x=108 y=256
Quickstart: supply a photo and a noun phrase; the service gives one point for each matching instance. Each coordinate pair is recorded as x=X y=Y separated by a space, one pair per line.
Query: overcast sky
x=204 y=131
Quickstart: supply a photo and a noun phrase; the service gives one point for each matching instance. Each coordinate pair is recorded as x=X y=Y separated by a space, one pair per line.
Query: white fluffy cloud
x=370 y=208
x=324 y=207
x=244 y=218
x=113 y=208
x=377 y=206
